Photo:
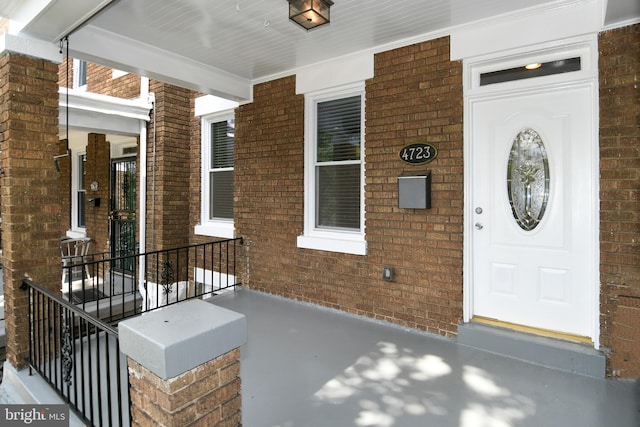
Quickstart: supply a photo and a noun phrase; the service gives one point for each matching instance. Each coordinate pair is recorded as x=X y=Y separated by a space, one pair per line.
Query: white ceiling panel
x=203 y=44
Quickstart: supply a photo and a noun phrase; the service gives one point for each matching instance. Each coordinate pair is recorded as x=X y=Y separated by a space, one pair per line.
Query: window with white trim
x=79 y=217
x=79 y=74
x=218 y=134
x=334 y=171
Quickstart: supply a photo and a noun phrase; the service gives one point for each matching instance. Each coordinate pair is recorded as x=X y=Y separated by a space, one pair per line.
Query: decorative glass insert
x=528 y=179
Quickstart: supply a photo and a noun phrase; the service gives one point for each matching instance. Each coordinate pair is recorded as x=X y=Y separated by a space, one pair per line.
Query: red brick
x=619 y=64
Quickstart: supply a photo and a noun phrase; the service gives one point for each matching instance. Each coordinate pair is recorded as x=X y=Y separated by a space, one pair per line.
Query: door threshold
x=534 y=331
x=548 y=350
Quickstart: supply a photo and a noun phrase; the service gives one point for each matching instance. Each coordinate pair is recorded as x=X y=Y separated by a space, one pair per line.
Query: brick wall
x=100 y=80
x=619 y=64
x=415 y=96
x=194 y=173
x=268 y=174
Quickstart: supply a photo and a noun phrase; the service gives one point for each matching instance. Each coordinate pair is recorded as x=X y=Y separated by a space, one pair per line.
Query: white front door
x=534 y=233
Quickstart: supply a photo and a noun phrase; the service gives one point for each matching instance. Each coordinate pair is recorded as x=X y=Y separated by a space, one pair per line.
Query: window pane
x=222 y=134
x=82 y=159
x=82 y=73
x=221 y=197
x=82 y=222
x=338 y=196
x=339 y=135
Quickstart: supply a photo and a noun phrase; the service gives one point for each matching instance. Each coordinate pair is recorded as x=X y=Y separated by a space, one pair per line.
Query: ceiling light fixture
x=533 y=66
x=309 y=14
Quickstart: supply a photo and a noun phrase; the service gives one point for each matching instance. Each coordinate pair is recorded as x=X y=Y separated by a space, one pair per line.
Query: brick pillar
x=619 y=65
x=168 y=185
x=64 y=185
x=29 y=181
x=184 y=365
x=207 y=395
x=98 y=169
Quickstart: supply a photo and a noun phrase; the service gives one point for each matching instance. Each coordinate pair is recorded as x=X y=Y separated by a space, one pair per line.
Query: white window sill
x=345 y=246
x=222 y=229
x=76 y=234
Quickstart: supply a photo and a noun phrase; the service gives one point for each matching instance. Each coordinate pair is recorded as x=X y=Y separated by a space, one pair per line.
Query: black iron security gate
x=123 y=213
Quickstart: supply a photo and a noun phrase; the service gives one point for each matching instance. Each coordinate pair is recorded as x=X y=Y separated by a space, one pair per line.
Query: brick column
x=167 y=221
x=184 y=365
x=619 y=65
x=29 y=181
x=207 y=395
x=98 y=169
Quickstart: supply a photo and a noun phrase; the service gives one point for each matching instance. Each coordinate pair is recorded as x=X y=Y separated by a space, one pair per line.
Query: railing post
x=184 y=365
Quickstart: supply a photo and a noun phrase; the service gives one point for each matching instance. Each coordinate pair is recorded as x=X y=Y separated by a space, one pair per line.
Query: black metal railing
x=79 y=356
x=98 y=285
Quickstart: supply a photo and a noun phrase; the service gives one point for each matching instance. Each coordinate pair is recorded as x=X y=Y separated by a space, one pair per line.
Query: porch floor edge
x=21 y=388
x=544 y=351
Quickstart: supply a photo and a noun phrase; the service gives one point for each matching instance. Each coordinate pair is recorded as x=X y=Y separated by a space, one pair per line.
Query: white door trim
x=586 y=48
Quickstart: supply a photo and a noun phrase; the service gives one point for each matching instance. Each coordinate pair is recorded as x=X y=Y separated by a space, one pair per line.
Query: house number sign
x=418 y=153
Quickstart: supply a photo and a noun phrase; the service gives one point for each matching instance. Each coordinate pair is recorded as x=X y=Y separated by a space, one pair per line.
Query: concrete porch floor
x=305 y=366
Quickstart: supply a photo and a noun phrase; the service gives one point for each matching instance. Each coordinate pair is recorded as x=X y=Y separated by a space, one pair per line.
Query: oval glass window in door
x=528 y=179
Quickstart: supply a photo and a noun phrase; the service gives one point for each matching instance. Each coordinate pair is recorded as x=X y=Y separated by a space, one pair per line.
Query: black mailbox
x=94 y=202
x=414 y=190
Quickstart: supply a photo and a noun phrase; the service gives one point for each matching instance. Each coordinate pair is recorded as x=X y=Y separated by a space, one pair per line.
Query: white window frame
x=76 y=74
x=216 y=227
x=75 y=189
x=342 y=241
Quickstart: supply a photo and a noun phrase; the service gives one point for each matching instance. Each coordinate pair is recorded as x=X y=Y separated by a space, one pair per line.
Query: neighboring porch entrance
x=122 y=213
x=532 y=208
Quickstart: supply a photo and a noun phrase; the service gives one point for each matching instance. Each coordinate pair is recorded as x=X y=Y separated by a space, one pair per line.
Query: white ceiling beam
x=22 y=12
x=50 y=20
x=133 y=56
x=30 y=47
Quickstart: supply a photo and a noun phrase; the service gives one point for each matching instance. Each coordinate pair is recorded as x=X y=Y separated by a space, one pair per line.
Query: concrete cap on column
x=177 y=338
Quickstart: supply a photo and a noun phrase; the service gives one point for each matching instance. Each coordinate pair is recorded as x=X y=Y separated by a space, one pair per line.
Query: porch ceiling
x=222 y=47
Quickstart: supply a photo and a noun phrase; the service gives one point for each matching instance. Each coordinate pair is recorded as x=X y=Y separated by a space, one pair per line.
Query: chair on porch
x=74 y=251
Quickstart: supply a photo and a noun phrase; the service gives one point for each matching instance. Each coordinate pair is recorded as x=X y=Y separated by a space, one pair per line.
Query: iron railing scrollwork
x=79 y=357
x=66 y=355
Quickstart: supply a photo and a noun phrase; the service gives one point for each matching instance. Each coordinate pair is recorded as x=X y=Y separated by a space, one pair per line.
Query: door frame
x=585 y=47
x=113 y=234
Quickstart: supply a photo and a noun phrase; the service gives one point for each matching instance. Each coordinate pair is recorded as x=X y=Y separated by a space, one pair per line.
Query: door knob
x=479 y=226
